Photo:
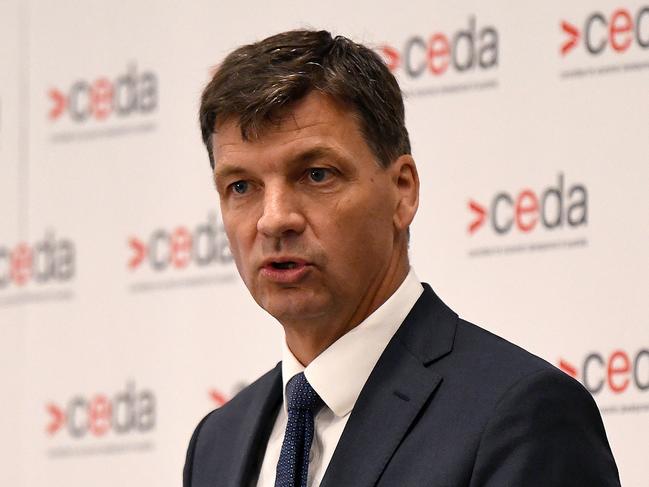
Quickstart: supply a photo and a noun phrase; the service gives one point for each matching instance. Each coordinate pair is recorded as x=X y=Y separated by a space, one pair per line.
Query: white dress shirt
x=338 y=374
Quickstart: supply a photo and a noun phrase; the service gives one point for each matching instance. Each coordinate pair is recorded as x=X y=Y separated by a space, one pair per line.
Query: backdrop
x=122 y=316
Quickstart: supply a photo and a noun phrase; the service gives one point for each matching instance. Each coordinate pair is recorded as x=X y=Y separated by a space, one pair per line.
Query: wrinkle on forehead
x=266 y=137
x=312 y=110
x=317 y=120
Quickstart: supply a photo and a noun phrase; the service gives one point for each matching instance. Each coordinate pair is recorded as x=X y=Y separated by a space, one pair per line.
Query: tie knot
x=301 y=396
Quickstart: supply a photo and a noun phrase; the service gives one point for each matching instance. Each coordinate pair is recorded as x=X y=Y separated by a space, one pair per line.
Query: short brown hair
x=256 y=81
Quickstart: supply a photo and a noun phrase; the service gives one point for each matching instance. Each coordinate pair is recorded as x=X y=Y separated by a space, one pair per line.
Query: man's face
x=309 y=212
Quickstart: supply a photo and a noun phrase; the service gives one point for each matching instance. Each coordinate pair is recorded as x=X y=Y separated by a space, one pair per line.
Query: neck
x=309 y=339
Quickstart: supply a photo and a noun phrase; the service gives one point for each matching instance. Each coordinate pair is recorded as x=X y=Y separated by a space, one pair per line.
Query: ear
x=406 y=183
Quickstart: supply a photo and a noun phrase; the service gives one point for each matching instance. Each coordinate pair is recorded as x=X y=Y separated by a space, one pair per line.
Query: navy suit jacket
x=447 y=405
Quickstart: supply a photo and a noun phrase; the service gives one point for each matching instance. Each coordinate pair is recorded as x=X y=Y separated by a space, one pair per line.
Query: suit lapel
x=255 y=429
x=398 y=388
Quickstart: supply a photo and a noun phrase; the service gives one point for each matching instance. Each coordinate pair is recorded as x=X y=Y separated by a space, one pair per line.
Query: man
x=380 y=384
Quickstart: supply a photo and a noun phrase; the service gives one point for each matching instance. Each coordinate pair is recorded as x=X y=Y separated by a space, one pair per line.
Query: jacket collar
x=398 y=388
x=255 y=428
x=428 y=331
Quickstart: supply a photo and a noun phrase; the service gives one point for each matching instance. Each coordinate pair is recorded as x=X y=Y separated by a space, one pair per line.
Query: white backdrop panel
x=134 y=323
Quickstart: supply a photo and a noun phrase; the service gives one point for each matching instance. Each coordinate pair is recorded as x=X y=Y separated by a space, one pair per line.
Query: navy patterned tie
x=303 y=403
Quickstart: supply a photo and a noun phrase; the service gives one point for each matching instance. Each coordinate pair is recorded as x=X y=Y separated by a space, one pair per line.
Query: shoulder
x=536 y=424
x=477 y=367
x=539 y=423
x=517 y=377
x=514 y=374
x=485 y=373
x=496 y=361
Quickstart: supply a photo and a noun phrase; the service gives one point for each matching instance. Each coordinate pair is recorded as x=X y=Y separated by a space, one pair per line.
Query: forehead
x=315 y=119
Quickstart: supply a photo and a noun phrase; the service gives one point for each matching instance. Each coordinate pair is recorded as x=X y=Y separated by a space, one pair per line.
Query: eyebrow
x=224 y=170
x=315 y=153
x=221 y=170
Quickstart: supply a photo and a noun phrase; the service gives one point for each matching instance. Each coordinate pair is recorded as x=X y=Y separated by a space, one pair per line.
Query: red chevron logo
x=218 y=397
x=391 y=57
x=139 y=252
x=480 y=216
x=573 y=39
x=568 y=368
x=58 y=418
x=60 y=103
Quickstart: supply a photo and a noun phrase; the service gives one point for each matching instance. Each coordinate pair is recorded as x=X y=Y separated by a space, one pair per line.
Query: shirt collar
x=353 y=356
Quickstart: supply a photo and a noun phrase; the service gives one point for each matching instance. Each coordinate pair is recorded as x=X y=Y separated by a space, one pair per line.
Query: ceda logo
x=130 y=93
x=616 y=372
x=48 y=260
x=132 y=410
x=180 y=247
x=473 y=47
x=560 y=205
x=599 y=32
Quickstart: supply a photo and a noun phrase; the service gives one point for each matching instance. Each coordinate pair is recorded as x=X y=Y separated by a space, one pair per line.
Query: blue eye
x=240 y=187
x=317 y=174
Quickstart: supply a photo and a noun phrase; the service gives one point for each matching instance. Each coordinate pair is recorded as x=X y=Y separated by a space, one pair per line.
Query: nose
x=283 y=214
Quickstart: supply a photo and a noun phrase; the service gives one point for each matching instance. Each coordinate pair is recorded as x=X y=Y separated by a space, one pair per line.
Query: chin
x=292 y=308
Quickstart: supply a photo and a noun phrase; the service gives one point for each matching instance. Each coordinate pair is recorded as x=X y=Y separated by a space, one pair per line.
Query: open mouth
x=285 y=271
x=284 y=265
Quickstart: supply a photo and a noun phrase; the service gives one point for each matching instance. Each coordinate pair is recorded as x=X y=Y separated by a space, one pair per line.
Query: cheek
x=230 y=234
x=362 y=235
x=370 y=213
x=235 y=233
